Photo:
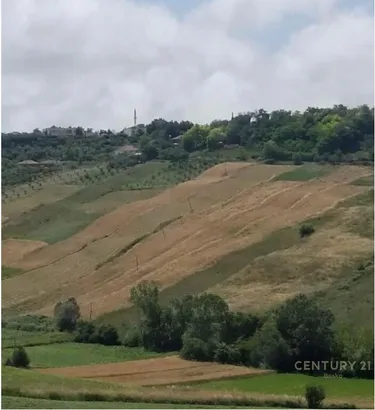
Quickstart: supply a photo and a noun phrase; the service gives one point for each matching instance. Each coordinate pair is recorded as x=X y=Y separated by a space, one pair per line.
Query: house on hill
x=60 y=131
x=129 y=149
x=29 y=163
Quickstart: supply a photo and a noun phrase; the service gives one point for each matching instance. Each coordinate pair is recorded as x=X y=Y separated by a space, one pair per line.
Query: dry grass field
x=160 y=371
x=14 y=250
x=179 y=232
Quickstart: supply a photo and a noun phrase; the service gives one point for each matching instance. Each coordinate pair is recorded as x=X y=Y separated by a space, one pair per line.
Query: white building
x=60 y=132
x=132 y=130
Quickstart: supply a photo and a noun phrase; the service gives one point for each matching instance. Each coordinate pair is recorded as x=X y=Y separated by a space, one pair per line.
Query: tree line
x=288 y=338
x=336 y=134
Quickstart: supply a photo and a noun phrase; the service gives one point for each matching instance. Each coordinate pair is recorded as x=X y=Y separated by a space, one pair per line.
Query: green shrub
x=131 y=337
x=306 y=230
x=227 y=354
x=107 y=335
x=297 y=159
x=19 y=358
x=87 y=332
x=195 y=349
x=314 y=396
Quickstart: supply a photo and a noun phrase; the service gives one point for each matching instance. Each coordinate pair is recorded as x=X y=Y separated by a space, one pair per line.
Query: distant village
x=71 y=132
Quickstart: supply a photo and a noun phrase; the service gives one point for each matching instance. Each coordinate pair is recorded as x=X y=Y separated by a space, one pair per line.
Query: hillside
x=231 y=230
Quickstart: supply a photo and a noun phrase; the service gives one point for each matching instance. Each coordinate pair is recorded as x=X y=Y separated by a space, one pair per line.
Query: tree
x=239 y=325
x=272 y=151
x=145 y=296
x=196 y=349
x=307 y=329
x=215 y=138
x=19 y=358
x=297 y=158
x=79 y=131
x=208 y=317
x=195 y=138
x=67 y=315
x=268 y=349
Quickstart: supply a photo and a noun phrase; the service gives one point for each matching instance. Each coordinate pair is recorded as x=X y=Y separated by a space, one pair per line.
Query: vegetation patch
x=77 y=354
x=364 y=181
x=295 y=384
x=49 y=223
x=304 y=173
x=10 y=272
x=11 y=338
x=351 y=296
x=9 y=402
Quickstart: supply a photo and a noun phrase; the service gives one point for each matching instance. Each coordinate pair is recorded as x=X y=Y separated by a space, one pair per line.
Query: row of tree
x=296 y=336
x=203 y=328
x=316 y=134
x=336 y=134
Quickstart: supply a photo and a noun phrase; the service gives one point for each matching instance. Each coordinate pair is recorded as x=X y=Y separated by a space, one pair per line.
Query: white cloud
x=90 y=62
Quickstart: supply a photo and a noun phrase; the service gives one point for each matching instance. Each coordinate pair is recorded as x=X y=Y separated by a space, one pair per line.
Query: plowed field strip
x=159 y=371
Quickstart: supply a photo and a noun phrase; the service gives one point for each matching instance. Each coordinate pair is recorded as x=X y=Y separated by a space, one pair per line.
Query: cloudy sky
x=90 y=62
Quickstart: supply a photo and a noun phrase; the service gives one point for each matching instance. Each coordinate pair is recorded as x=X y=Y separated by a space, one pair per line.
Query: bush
x=227 y=354
x=87 y=333
x=195 y=349
x=314 y=396
x=306 y=230
x=107 y=335
x=19 y=358
x=131 y=337
x=85 y=330
x=297 y=159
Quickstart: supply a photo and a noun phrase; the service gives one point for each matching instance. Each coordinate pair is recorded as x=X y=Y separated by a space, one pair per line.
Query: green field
x=13 y=337
x=76 y=354
x=304 y=173
x=9 y=402
x=30 y=384
x=295 y=384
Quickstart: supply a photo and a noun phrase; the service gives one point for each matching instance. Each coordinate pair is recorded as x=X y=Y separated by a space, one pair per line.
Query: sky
x=91 y=62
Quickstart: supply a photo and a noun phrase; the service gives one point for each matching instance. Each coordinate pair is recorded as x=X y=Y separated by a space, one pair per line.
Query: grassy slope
x=76 y=354
x=337 y=295
x=59 y=220
x=304 y=173
x=13 y=337
x=295 y=384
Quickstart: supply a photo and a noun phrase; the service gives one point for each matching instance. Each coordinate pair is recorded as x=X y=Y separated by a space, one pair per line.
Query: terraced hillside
x=185 y=237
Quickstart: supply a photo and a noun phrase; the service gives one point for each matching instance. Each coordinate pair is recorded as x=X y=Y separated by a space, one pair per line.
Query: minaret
x=135 y=117
x=232 y=116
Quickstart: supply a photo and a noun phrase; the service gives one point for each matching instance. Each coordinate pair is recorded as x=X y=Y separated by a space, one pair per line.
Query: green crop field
x=305 y=172
x=76 y=354
x=14 y=337
x=295 y=384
